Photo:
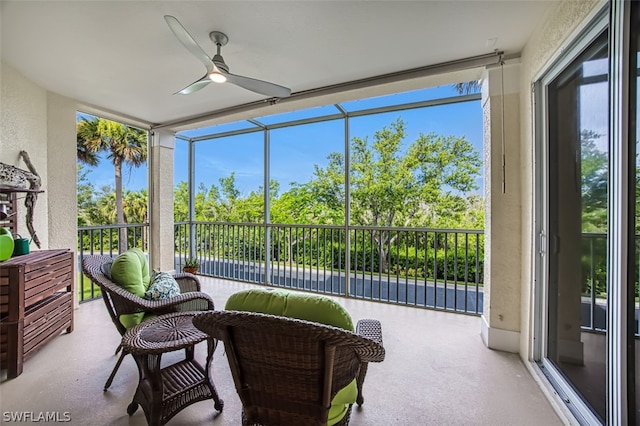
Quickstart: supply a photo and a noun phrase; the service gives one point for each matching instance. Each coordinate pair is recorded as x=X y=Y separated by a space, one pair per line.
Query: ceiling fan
x=217 y=69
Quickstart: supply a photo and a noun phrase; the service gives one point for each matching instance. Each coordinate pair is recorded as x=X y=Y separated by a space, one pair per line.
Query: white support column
x=161 y=238
x=502 y=264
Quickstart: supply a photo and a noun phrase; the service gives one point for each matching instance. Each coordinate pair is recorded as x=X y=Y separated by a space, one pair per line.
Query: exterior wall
x=61 y=156
x=43 y=124
x=501 y=315
x=545 y=45
x=24 y=127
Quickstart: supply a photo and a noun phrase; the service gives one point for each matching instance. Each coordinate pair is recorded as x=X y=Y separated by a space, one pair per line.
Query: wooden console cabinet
x=36 y=304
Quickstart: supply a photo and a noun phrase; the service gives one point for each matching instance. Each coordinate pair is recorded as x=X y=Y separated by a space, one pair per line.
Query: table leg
x=218 y=403
x=150 y=388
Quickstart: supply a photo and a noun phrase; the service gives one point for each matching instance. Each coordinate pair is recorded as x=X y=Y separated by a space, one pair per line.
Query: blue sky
x=295 y=150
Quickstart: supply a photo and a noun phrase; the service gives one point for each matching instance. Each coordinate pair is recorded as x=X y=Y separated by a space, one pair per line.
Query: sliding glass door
x=633 y=290
x=588 y=219
x=577 y=223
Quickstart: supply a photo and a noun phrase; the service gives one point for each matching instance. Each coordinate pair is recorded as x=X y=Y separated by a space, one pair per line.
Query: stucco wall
x=61 y=157
x=43 y=124
x=501 y=303
x=560 y=26
x=24 y=127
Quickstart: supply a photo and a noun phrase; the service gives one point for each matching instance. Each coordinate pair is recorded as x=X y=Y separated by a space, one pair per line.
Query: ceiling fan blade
x=195 y=86
x=187 y=41
x=258 y=86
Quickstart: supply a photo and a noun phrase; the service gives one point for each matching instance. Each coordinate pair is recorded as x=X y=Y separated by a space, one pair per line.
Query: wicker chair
x=120 y=301
x=287 y=371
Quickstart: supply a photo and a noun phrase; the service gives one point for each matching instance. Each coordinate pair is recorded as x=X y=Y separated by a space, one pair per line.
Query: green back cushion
x=130 y=271
x=308 y=307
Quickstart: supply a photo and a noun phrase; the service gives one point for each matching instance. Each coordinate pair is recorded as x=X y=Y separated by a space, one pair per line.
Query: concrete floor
x=436 y=372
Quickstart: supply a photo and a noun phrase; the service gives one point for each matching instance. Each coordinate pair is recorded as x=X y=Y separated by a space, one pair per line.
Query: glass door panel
x=577 y=224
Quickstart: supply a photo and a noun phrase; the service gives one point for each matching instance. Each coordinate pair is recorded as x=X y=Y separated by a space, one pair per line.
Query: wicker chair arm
x=187 y=282
x=190 y=301
x=371 y=329
x=193 y=300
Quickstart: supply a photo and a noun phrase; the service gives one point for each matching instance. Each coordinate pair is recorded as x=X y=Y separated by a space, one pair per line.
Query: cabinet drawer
x=45 y=320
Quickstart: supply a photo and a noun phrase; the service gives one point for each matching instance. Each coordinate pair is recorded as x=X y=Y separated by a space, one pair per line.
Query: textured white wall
x=501 y=303
x=43 y=124
x=560 y=26
x=61 y=157
x=24 y=127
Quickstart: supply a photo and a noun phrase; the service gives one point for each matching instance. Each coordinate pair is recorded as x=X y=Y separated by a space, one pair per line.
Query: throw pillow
x=162 y=286
x=106 y=269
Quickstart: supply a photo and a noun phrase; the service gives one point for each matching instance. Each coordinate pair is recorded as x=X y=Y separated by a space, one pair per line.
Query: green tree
x=84 y=190
x=135 y=206
x=393 y=184
x=205 y=206
x=124 y=145
x=181 y=202
x=106 y=205
x=594 y=170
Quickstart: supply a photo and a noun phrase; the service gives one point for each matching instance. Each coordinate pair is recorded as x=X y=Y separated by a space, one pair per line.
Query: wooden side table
x=36 y=304
x=163 y=392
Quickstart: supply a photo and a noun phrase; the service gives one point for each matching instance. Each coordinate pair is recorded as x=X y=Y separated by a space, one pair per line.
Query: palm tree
x=124 y=145
x=135 y=209
x=468 y=87
x=135 y=206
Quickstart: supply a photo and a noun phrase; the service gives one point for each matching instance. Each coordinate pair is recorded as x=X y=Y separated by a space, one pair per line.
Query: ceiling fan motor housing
x=218 y=61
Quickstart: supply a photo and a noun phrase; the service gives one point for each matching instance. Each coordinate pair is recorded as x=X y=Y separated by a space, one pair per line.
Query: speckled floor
x=436 y=372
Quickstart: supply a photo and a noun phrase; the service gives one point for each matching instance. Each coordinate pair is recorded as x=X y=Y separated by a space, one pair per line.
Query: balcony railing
x=431 y=268
x=434 y=268
x=105 y=240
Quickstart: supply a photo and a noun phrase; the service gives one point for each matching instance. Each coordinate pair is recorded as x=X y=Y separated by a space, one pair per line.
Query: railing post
x=192 y=206
x=267 y=208
x=347 y=203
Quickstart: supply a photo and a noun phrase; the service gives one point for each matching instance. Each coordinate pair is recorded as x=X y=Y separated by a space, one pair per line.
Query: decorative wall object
x=13 y=179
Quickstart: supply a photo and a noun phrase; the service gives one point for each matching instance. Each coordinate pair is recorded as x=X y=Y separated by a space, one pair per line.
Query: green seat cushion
x=303 y=306
x=341 y=402
x=130 y=271
x=129 y=320
x=307 y=307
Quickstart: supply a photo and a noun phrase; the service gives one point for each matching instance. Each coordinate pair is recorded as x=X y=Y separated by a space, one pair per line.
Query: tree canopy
x=426 y=183
x=123 y=144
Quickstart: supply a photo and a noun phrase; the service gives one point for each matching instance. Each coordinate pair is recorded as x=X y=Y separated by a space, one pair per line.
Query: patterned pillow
x=106 y=269
x=162 y=286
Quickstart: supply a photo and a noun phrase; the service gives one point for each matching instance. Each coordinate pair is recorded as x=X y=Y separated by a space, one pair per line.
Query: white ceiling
x=120 y=56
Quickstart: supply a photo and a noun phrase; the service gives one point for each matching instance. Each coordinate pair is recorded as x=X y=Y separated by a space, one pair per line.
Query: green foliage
x=84 y=190
x=191 y=262
x=594 y=178
x=123 y=144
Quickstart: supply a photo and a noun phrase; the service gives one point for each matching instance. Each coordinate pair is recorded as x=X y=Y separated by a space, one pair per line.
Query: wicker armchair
x=120 y=301
x=287 y=371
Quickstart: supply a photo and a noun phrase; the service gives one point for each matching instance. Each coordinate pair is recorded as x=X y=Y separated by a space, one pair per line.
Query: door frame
x=570 y=397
